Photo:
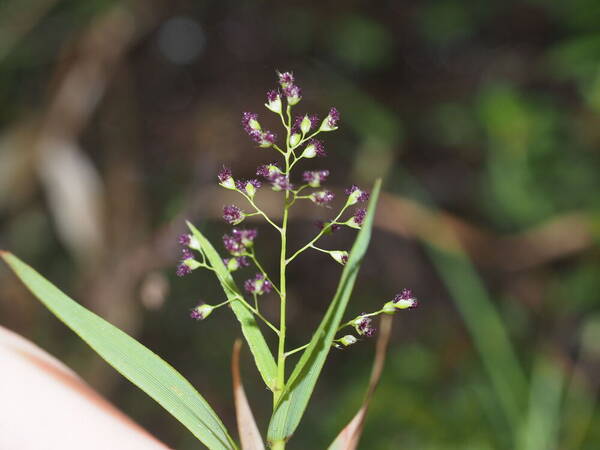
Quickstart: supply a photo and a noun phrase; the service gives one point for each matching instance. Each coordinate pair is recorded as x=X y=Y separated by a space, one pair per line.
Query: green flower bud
x=194 y=244
x=305 y=125
x=201 y=312
x=347 y=340
x=294 y=139
x=340 y=256
x=274 y=101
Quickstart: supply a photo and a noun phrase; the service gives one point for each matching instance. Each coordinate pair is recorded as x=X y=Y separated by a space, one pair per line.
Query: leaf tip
x=191 y=226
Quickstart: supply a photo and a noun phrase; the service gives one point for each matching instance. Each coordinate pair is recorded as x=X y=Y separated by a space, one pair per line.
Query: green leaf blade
x=298 y=390
x=258 y=346
x=135 y=362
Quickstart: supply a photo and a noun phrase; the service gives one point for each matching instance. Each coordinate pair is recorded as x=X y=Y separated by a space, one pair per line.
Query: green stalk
x=278 y=445
x=280 y=380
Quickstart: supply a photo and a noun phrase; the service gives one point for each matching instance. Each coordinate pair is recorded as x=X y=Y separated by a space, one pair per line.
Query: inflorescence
x=300 y=143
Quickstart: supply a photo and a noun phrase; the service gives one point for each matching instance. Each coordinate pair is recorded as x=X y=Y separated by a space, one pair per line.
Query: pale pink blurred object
x=45 y=406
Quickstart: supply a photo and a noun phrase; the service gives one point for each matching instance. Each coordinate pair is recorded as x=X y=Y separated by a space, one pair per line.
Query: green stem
x=259 y=211
x=318 y=236
x=321 y=249
x=278 y=445
x=258 y=314
x=280 y=380
x=291 y=352
x=350 y=324
x=263 y=271
x=276 y=147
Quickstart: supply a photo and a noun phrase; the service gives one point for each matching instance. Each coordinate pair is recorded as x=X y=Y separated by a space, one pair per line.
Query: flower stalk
x=300 y=144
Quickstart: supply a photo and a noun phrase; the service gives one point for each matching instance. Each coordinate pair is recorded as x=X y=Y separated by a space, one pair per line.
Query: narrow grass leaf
x=256 y=341
x=249 y=435
x=489 y=333
x=298 y=390
x=540 y=427
x=135 y=362
x=350 y=436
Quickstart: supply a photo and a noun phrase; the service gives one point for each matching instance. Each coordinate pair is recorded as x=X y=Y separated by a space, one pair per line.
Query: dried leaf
x=249 y=435
x=350 y=436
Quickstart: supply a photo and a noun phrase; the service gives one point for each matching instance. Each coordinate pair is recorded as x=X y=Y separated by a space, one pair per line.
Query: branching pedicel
x=300 y=143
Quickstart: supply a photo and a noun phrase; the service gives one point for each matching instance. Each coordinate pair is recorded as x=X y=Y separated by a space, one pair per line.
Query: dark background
x=483 y=118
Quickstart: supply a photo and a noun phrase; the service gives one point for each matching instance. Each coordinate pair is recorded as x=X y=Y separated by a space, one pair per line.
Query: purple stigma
x=224 y=174
x=187 y=254
x=292 y=91
x=286 y=78
x=183 y=269
x=272 y=95
x=315 y=178
x=232 y=214
x=196 y=315
x=245 y=236
x=247 y=117
x=241 y=184
x=405 y=300
x=332 y=227
x=258 y=285
x=322 y=197
x=333 y=118
x=364 y=327
x=268 y=138
x=233 y=245
x=268 y=170
x=319 y=147
x=405 y=294
x=364 y=195
x=184 y=239
x=359 y=216
x=281 y=183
